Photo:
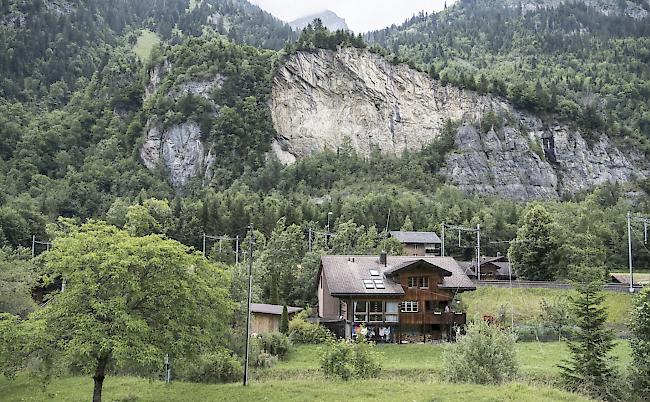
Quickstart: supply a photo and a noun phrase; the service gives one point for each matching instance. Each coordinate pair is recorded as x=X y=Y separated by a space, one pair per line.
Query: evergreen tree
x=532 y=253
x=590 y=369
x=284 y=320
x=408 y=224
x=640 y=343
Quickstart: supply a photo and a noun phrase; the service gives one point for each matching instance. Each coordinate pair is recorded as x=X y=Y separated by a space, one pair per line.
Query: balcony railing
x=430 y=317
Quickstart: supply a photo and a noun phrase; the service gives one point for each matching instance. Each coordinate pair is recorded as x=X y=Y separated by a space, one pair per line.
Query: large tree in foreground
x=130 y=300
x=532 y=253
x=640 y=343
x=590 y=368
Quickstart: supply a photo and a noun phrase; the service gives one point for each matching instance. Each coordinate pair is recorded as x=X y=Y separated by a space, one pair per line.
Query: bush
x=275 y=343
x=301 y=331
x=347 y=360
x=264 y=360
x=486 y=355
x=211 y=368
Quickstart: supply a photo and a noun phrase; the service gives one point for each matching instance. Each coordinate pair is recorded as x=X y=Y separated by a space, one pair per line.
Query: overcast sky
x=360 y=15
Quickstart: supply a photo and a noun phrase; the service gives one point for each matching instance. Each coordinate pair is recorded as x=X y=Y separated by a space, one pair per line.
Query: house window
x=392 y=312
x=424 y=282
x=360 y=311
x=376 y=309
x=413 y=281
x=409 y=307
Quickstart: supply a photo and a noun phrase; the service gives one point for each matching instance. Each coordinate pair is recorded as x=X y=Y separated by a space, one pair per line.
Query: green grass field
x=145 y=44
x=534 y=358
x=122 y=389
x=410 y=373
x=526 y=303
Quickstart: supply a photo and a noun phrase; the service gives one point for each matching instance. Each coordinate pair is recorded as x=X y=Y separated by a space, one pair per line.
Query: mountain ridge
x=329 y=19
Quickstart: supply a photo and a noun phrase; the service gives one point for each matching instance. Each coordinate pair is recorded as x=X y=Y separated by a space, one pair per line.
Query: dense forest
x=73 y=114
x=46 y=46
x=571 y=61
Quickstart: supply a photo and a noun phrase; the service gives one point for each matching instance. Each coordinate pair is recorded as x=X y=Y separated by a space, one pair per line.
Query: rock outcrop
x=321 y=98
x=178 y=148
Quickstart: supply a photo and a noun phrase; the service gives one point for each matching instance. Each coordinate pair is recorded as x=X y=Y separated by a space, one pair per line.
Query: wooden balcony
x=430 y=317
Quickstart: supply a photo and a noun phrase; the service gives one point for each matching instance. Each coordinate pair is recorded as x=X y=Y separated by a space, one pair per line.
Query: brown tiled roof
x=345 y=274
x=415 y=237
x=272 y=309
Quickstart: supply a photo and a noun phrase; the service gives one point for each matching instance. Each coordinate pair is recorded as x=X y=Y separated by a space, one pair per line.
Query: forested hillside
x=47 y=45
x=78 y=105
x=567 y=59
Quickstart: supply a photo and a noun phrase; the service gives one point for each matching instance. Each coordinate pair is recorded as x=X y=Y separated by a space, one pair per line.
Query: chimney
x=498 y=253
x=383 y=258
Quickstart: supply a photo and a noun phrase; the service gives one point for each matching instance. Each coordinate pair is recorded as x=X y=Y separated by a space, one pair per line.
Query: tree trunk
x=100 y=373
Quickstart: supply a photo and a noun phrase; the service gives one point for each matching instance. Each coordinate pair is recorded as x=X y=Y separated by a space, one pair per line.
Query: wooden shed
x=266 y=317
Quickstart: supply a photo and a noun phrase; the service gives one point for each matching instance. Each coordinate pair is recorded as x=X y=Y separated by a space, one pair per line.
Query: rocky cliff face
x=321 y=98
x=178 y=148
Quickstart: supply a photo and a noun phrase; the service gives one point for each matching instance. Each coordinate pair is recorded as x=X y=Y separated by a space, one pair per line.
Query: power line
x=460 y=229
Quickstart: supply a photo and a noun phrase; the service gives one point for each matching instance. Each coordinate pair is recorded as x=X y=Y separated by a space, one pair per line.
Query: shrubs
x=486 y=355
x=347 y=360
x=211 y=368
x=275 y=343
x=300 y=331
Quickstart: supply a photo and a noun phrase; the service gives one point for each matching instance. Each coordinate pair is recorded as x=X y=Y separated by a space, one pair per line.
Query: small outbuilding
x=266 y=317
x=492 y=268
x=423 y=244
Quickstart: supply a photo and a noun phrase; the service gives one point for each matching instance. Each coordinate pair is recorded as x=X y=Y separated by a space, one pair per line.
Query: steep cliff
x=320 y=98
x=178 y=148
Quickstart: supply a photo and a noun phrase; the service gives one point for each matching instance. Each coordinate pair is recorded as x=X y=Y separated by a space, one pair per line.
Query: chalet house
x=392 y=298
x=266 y=317
x=419 y=243
x=492 y=268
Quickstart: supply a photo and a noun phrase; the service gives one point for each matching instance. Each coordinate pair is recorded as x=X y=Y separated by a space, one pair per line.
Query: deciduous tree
x=129 y=301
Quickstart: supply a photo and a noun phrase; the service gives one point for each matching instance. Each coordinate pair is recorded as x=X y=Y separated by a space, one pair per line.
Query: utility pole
x=237 y=250
x=631 y=218
x=47 y=245
x=327 y=232
x=478 y=251
x=251 y=241
x=442 y=248
x=478 y=242
x=629 y=249
x=203 y=244
x=309 y=240
x=387 y=224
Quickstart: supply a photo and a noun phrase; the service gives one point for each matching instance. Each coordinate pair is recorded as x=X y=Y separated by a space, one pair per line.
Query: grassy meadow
x=123 y=389
x=410 y=373
x=526 y=303
x=145 y=44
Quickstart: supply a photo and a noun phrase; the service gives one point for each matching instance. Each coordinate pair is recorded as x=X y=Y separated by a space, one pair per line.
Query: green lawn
x=145 y=44
x=78 y=389
x=526 y=303
x=534 y=357
x=410 y=373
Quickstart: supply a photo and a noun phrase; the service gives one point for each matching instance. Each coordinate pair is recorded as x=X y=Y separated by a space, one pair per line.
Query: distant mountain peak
x=329 y=18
